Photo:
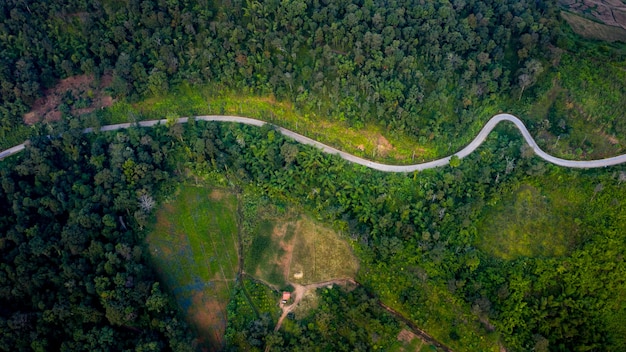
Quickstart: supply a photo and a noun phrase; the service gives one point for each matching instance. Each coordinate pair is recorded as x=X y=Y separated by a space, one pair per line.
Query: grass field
x=319 y=254
x=294 y=248
x=194 y=248
x=537 y=218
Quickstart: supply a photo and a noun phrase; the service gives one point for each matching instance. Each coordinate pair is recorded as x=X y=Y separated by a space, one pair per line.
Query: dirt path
x=471 y=147
x=417 y=331
x=300 y=291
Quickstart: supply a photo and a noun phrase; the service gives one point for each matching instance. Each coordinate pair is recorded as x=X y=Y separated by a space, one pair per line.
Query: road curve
x=471 y=147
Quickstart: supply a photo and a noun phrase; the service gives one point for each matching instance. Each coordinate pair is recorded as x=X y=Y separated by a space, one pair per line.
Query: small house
x=286 y=296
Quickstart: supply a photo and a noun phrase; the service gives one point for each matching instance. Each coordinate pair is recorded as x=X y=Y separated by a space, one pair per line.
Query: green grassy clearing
x=194 y=248
x=265 y=257
x=537 y=218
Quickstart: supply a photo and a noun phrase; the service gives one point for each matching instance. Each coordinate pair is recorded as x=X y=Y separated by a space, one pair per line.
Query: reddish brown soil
x=285 y=261
x=407 y=336
x=46 y=108
x=206 y=314
x=216 y=195
x=383 y=147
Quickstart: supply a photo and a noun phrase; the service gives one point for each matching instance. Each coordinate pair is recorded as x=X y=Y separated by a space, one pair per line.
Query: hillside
x=497 y=251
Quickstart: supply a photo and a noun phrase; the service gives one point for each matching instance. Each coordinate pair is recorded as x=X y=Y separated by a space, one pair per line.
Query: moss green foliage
x=556 y=290
x=540 y=219
x=241 y=314
x=194 y=248
x=579 y=109
x=264 y=299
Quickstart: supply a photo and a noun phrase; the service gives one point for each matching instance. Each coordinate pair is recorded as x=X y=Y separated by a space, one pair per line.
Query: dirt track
x=301 y=290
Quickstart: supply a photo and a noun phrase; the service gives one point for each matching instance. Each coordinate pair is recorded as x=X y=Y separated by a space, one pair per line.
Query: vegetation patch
x=193 y=246
x=263 y=298
x=579 y=112
x=536 y=219
x=269 y=254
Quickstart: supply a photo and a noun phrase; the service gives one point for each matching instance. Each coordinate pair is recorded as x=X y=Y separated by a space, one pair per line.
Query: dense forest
x=74 y=270
x=74 y=208
x=408 y=66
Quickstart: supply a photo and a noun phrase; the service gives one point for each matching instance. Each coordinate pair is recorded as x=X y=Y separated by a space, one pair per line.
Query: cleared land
x=319 y=254
x=194 y=248
x=78 y=94
x=298 y=250
x=609 y=12
x=594 y=30
x=409 y=342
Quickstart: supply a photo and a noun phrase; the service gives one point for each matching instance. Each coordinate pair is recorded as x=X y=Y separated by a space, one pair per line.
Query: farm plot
x=194 y=248
x=297 y=249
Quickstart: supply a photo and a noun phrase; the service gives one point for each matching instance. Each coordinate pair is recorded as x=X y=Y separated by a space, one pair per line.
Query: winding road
x=471 y=147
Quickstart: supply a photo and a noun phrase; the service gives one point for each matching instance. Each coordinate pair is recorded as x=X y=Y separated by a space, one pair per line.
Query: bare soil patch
x=80 y=94
x=310 y=301
x=216 y=195
x=206 y=315
x=407 y=337
x=287 y=246
x=383 y=147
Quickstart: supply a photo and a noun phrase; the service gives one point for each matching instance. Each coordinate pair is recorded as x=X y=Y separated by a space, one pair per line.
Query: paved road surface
x=474 y=144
